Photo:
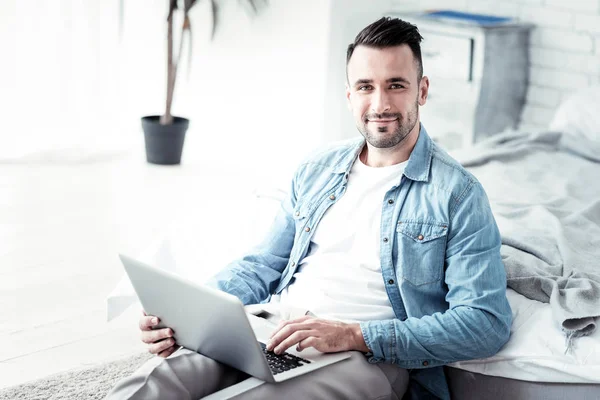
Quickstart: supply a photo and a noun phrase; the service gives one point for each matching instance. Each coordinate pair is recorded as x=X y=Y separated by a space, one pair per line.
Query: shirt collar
x=419 y=161
x=420 y=158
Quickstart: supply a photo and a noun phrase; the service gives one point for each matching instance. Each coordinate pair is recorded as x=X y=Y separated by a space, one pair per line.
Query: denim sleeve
x=478 y=320
x=254 y=277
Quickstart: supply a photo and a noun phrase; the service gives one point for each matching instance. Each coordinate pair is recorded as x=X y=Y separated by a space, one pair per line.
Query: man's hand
x=325 y=336
x=160 y=341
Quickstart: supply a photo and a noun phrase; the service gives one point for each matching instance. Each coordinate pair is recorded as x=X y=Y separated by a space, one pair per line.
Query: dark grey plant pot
x=164 y=143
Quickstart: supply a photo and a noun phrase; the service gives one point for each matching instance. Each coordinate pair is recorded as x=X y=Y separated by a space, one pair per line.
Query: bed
x=544 y=188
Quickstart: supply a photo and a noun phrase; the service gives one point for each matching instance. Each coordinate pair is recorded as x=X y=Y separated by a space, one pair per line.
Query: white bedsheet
x=535 y=351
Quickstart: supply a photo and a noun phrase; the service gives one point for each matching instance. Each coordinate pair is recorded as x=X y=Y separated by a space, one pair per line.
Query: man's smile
x=382 y=121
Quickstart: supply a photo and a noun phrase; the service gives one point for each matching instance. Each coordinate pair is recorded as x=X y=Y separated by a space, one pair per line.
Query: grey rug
x=84 y=383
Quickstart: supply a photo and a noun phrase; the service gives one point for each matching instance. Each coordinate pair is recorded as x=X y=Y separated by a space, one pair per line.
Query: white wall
x=267 y=89
x=255 y=94
x=58 y=73
x=564 y=48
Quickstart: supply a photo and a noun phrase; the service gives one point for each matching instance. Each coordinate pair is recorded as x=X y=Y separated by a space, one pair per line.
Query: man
x=387 y=240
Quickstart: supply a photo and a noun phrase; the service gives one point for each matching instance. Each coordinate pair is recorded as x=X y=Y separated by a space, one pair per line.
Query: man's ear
x=348 y=94
x=423 y=90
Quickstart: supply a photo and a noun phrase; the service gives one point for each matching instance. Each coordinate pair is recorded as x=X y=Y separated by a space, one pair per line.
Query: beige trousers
x=189 y=375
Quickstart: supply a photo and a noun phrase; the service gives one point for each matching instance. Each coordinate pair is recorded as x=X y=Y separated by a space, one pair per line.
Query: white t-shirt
x=340 y=278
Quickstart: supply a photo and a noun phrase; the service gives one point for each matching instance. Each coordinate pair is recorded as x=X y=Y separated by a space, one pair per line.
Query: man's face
x=383 y=93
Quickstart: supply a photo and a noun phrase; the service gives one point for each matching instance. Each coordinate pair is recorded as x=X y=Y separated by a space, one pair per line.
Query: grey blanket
x=544 y=189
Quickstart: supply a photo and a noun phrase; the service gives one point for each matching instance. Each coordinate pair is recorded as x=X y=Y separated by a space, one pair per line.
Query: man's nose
x=381 y=102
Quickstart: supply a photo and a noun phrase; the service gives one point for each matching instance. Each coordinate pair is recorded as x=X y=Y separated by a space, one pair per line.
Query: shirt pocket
x=421 y=250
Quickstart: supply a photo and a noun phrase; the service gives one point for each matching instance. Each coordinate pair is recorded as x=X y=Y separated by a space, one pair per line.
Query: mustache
x=375 y=116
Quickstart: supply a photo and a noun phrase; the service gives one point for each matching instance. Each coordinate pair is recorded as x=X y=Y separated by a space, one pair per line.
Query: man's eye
x=397 y=86
x=364 y=87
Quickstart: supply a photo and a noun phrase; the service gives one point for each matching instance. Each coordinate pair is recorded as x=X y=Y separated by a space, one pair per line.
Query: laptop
x=215 y=324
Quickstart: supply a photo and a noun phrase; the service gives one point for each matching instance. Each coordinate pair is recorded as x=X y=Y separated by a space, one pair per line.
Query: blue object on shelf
x=479 y=19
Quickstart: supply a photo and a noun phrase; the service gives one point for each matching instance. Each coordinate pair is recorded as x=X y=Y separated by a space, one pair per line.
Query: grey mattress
x=465 y=385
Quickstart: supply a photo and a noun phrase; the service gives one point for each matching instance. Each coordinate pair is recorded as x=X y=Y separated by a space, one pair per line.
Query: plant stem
x=184 y=27
x=173 y=67
x=167 y=119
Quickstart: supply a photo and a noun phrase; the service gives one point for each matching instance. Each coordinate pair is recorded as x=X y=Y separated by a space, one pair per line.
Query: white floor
x=61 y=227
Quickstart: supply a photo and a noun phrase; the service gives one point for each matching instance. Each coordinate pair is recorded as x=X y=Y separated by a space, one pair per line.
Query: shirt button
x=425 y=363
x=332 y=197
x=297 y=213
x=385 y=240
x=307 y=229
x=293 y=263
x=420 y=237
x=391 y=281
x=390 y=201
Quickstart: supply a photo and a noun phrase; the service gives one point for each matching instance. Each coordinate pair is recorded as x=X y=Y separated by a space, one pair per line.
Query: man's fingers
x=284 y=333
x=293 y=340
x=158 y=347
x=166 y=353
x=286 y=322
x=147 y=322
x=310 y=341
x=282 y=324
x=302 y=325
x=160 y=341
x=279 y=326
x=155 y=335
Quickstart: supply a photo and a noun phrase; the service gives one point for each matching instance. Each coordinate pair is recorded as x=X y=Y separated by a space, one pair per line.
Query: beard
x=380 y=139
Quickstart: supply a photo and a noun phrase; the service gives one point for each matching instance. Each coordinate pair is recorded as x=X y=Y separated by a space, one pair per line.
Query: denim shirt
x=440 y=260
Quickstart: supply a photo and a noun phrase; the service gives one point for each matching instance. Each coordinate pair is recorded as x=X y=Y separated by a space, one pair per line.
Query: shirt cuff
x=380 y=338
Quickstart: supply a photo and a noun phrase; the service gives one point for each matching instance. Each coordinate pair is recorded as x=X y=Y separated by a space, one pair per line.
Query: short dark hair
x=389 y=32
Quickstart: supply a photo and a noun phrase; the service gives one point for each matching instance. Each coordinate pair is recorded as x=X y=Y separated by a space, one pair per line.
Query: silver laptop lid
x=208 y=321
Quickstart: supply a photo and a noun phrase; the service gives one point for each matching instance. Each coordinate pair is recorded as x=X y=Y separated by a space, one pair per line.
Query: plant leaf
x=188 y=4
x=215 y=17
x=253 y=4
x=172 y=8
x=190 y=48
x=121 y=19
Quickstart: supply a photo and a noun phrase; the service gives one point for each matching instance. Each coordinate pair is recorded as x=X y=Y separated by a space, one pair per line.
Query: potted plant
x=164 y=135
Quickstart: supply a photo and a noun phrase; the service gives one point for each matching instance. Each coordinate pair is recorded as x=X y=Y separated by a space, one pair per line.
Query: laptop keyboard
x=282 y=362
